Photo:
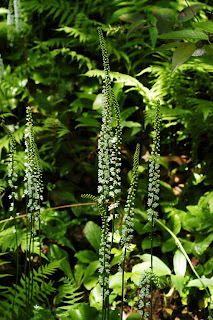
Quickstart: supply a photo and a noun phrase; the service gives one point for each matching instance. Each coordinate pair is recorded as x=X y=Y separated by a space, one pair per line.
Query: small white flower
x=36 y=307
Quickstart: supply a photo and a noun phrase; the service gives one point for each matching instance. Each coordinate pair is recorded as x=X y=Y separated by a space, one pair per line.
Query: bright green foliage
x=41 y=290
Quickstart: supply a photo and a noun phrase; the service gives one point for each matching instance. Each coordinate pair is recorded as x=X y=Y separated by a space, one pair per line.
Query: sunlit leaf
x=93 y=234
x=179 y=262
x=206 y=26
x=196 y=283
x=185 y=34
x=178 y=282
x=182 y=54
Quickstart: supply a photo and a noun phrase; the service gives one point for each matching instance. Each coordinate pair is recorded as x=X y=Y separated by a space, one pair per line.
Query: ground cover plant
x=141 y=248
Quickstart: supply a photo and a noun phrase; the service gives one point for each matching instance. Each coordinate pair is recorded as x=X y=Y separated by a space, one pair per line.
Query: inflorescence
x=154 y=170
x=145 y=287
x=33 y=171
x=14 y=16
x=127 y=224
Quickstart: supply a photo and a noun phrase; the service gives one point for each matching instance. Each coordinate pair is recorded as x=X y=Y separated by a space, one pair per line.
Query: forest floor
x=171 y=308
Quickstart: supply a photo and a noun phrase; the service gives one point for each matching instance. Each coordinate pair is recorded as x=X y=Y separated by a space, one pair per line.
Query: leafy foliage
x=157 y=50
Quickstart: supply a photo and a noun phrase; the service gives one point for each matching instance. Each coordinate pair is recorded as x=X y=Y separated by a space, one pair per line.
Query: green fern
x=68 y=296
x=41 y=291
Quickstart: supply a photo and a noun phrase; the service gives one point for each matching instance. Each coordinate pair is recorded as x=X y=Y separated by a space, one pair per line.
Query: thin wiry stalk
x=127 y=223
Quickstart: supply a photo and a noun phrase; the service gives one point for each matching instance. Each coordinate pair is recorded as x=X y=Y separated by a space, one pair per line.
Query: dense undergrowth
x=52 y=84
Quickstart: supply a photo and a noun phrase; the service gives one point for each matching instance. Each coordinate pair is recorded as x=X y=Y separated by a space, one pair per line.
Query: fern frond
x=124 y=78
x=68 y=295
x=73 y=32
x=41 y=290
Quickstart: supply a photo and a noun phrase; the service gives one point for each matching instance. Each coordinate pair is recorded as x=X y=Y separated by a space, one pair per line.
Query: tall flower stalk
x=128 y=219
x=33 y=193
x=109 y=180
x=148 y=277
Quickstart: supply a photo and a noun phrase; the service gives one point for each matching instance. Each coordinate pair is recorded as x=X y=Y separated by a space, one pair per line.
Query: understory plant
x=108 y=201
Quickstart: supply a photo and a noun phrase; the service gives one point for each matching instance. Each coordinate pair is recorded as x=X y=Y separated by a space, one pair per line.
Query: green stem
x=178 y=243
x=151 y=283
x=122 y=289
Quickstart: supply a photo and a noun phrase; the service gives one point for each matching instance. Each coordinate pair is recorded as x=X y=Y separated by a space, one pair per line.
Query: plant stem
x=151 y=283
x=122 y=289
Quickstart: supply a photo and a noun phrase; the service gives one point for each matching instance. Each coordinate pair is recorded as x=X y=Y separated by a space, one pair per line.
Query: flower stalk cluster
x=14 y=16
x=154 y=170
x=147 y=279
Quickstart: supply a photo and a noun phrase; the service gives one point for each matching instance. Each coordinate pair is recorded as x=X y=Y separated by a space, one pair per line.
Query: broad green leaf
x=185 y=34
x=91 y=282
x=174 y=224
x=181 y=54
x=160 y=267
x=97 y=104
x=201 y=246
x=134 y=316
x=86 y=256
x=206 y=26
x=133 y=17
x=93 y=234
x=95 y=298
x=179 y=262
x=196 y=283
x=208 y=266
x=83 y=312
x=146 y=243
x=90 y=270
x=188 y=13
x=168 y=245
x=115 y=281
x=178 y=282
x=137 y=271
